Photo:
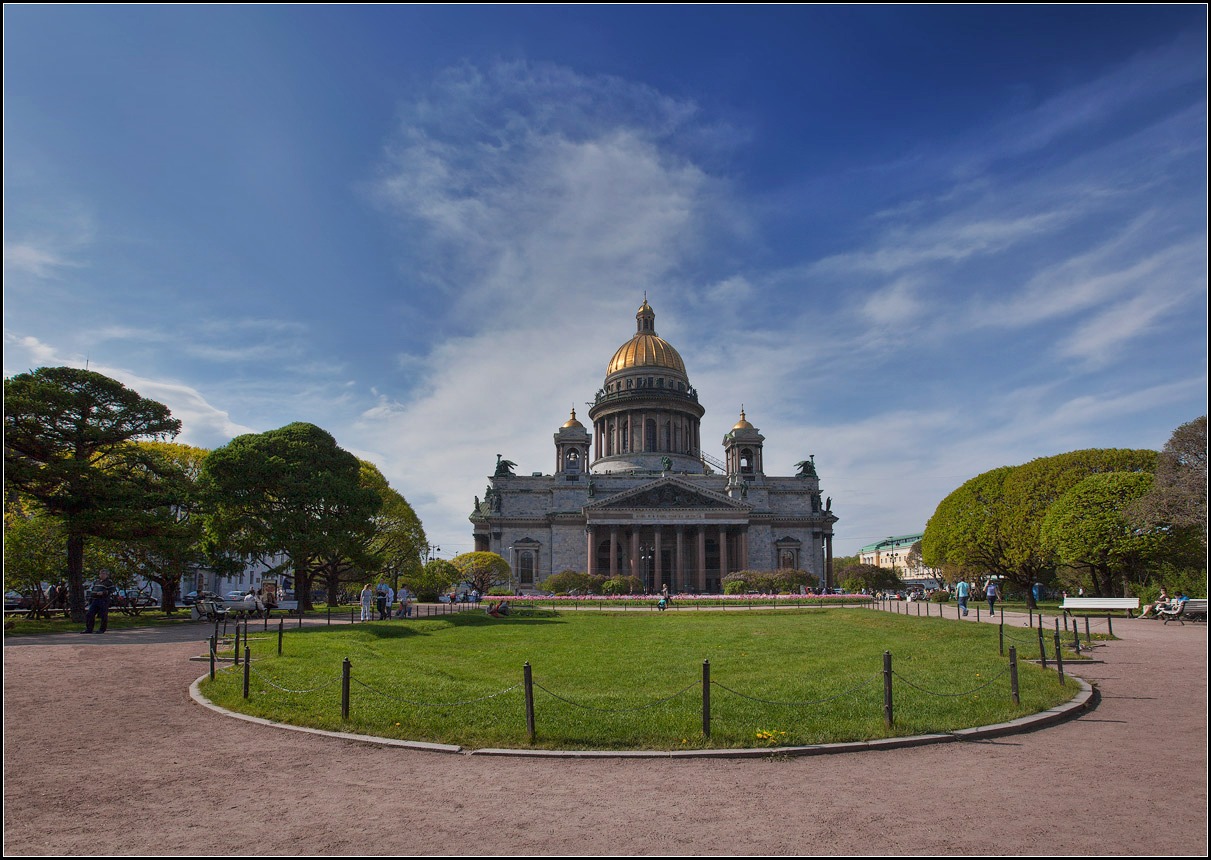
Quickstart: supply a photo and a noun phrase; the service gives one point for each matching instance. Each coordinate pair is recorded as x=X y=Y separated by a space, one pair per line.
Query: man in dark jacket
x=99 y=597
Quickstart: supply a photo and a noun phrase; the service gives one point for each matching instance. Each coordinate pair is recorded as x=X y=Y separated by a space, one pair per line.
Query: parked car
x=194 y=596
x=234 y=595
x=15 y=600
x=136 y=597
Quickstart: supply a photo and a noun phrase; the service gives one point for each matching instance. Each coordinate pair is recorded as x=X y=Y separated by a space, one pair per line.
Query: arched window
x=746 y=461
x=571 y=462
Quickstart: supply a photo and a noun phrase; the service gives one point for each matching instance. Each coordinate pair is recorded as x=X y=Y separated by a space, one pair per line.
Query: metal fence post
x=1110 y=624
x=1042 y=648
x=236 y=649
x=214 y=647
x=345 y=667
x=1059 y=658
x=887 y=710
x=247 y=658
x=529 y=683
x=1013 y=674
x=706 y=698
x=281 y=629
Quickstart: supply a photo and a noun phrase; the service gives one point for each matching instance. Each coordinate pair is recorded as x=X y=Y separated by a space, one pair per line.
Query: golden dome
x=743 y=424
x=572 y=422
x=646 y=348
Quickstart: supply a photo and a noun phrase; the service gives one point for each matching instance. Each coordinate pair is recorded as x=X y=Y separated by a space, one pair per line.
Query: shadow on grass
x=403 y=629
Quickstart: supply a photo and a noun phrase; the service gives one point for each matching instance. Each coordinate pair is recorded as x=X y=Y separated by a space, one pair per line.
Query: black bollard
x=247 y=658
x=706 y=698
x=345 y=668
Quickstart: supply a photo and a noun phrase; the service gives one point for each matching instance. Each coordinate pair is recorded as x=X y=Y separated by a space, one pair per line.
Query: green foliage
x=291 y=491
x=67 y=435
x=1179 y=496
x=782 y=581
x=622 y=585
x=432 y=579
x=482 y=570
x=857 y=577
x=992 y=523
x=568 y=581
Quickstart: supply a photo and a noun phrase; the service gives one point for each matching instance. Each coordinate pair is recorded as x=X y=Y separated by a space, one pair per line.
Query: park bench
x=208 y=610
x=1189 y=610
x=1099 y=604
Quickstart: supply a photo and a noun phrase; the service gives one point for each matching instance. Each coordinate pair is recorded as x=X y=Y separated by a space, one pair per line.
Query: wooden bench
x=1189 y=610
x=1102 y=604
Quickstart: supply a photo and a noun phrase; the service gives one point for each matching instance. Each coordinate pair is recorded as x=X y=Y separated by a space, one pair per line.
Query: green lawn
x=630 y=680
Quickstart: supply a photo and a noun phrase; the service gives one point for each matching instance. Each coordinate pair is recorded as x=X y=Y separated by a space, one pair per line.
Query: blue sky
x=916 y=242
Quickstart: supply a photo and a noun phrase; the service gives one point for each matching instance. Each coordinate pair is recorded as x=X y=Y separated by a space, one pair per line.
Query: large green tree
x=170 y=539
x=289 y=492
x=1087 y=529
x=992 y=523
x=66 y=445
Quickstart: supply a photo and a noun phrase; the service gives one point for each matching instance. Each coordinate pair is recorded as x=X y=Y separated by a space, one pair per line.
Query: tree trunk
x=75 y=576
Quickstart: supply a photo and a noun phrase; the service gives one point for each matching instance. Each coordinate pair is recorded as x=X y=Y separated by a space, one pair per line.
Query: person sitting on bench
x=1152 y=609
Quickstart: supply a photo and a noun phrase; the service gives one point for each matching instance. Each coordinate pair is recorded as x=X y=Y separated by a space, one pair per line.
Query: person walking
x=367 y=601
x=993 y=593
x=99 y=597
x=962 y=592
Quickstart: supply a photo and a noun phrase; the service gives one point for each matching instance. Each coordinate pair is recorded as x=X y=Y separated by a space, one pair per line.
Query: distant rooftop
x=892 y=542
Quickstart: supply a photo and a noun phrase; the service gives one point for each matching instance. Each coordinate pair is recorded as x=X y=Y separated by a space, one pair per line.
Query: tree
x=293 y=492
x=991 y=524
x=432 y=579
x=856 y=577
x=170 y=539
x=66 y=435
x=1087 y=530
x=482 y=570
x=1179 y=495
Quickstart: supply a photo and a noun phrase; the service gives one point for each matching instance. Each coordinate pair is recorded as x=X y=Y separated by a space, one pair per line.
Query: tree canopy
x=1179 y=495
x=482 y=570
x=66 y=445
x=291 y=492
x=992 y=523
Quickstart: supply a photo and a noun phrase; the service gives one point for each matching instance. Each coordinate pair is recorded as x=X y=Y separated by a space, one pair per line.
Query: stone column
x=634 y=551
x=701 y=558
x=658 y=580
x=613 y=551
x=723 y=554
x=679 y=561
x=591 y=564
x=744 y=560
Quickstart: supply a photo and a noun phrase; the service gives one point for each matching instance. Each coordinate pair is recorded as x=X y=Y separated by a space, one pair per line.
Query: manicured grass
x=633 y=681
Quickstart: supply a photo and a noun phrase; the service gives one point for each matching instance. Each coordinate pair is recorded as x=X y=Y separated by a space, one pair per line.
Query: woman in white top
x=367 y=602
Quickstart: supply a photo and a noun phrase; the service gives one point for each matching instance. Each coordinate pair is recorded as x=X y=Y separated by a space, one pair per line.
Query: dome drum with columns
x=637 y=497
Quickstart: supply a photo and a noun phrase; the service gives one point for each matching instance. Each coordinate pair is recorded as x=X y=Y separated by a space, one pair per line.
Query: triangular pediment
x=668 y=494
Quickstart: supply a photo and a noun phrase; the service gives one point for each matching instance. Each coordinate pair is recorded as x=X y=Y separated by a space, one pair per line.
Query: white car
x=234 y=595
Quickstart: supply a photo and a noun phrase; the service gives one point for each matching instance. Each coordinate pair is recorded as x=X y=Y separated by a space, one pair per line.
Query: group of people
x=385 y=601
x=1164 y=603
x=964 y=589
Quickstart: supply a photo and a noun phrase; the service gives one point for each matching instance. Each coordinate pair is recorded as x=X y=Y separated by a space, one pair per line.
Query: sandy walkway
x=104 y=753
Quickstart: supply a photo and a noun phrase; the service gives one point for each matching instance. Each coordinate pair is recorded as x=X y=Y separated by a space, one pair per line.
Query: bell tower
x=572 y=448
x=742 y=451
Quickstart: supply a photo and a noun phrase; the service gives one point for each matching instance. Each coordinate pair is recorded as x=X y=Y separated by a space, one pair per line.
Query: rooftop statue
x=503 y=467
x=807 y=468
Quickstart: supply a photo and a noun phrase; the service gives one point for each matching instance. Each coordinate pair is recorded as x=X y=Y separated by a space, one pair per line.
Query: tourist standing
x=367 y=601
x=99 y=596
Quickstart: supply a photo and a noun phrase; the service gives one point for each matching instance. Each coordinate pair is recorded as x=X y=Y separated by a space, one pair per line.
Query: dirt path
x=105 y=753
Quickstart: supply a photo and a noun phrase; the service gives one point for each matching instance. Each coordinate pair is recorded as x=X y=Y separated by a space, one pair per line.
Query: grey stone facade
x=638 y=497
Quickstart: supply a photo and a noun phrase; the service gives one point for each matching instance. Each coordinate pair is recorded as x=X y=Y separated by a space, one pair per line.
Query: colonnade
x=675 y=555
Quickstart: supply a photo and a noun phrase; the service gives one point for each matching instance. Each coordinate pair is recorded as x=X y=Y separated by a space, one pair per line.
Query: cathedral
x=639 y=497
